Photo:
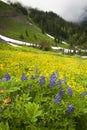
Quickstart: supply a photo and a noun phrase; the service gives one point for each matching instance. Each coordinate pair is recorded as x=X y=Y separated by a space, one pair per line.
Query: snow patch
x=50 y=36
x=15 y=41
x=64 y=42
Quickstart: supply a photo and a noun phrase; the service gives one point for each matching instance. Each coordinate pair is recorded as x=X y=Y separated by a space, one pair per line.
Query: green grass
x=4 y=6
x=14 y=24
x=13 y=28
x=5 y=46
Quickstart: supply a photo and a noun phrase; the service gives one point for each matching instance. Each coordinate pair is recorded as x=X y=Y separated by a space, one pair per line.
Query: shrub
x=44 y=46
x=21 y=36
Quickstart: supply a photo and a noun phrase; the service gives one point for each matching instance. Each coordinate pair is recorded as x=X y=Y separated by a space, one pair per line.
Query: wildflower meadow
x=42 y=91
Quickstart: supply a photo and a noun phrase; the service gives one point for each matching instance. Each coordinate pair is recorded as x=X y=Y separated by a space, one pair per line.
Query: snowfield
x=18 y=43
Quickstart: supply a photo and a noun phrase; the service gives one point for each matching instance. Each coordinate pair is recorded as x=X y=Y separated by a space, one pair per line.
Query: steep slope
x=15 y=24
x=53 y=24
x=31 y=25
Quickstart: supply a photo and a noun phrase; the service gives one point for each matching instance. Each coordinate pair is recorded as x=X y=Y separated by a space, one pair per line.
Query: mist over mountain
x=14 y=17
x=83 y=18
x=70 y=10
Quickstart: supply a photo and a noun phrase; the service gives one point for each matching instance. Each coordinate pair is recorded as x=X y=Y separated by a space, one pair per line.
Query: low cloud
x=71 y=10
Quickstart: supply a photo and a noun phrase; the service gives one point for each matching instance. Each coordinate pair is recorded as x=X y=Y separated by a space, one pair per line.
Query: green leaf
x=32 y=111
x=85 y=111
x=4 y=126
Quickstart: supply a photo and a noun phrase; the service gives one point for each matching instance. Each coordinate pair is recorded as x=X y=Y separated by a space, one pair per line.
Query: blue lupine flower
x=52 y=80
x=23 y=77
x=52 y=83
x=59 y=82
x=70 y=92
x=57 y=99
x=70 y=109
x=42 y=80
x=84 y=94
x=61 y=92
x=53 y=77
x=7 y=76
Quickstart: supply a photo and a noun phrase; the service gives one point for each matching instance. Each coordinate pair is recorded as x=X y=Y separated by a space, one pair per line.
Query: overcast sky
x=70 y=10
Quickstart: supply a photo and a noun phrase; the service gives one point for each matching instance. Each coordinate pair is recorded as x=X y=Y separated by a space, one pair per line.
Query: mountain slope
x=15 y=24
x=31 y=25
x=53 y=24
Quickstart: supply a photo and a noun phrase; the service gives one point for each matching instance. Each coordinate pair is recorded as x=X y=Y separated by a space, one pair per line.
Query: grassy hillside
x=34 y=85
x=18 y=26
x=51 y=60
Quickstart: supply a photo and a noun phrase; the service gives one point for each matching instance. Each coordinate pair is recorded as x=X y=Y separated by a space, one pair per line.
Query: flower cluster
x=70 y=109
x=42 y=80
x=7 y=77
x=61 y=92
x=57 y=99
x=70 y=92
x=52 y=80
x=58 y=96
x=23 y=77
x=83 y=94
x=59 y=82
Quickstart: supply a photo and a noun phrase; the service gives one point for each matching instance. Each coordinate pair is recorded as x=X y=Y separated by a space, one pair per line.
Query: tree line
x=62 y=30
x=53 y=24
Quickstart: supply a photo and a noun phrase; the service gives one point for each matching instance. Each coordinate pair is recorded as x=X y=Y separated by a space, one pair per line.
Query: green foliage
x=32 y=112
x=35 y=104
x=21 y=37
x=4 y=126
x=16 y=20
x=26 y=32
x=16 y=24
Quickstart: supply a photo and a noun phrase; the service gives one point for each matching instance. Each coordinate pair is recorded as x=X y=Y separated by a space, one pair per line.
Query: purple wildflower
x=42 y=80
x=57 y=99
x=70 y=109
x=7 y=76
x=84 y=94
x=59 y=83
x=52 y=80
x=70 y=92
x=53 y=77
x=52 y=83
x=23 y=77
x=61 y=92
